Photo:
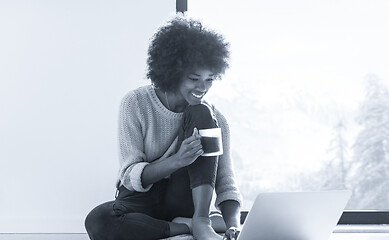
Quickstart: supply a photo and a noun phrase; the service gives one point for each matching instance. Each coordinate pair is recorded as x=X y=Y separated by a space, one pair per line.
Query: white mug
x=211 y=139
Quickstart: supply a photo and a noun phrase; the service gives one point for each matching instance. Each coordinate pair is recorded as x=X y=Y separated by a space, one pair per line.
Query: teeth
x=197 y=96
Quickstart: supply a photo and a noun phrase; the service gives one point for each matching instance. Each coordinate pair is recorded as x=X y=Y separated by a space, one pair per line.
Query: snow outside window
x=307 y=95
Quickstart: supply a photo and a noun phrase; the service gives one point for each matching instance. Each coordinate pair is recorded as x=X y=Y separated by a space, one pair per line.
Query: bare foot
x=186 y=221
x=202 y=229
x=218 y=223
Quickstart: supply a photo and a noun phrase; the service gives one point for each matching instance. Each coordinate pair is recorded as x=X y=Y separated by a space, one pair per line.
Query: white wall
x=64 y=66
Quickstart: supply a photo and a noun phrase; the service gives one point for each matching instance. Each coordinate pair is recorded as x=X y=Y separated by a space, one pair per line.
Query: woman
x=165 y=185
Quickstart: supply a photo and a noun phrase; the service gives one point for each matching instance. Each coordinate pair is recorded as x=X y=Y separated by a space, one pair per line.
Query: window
x=307 y=95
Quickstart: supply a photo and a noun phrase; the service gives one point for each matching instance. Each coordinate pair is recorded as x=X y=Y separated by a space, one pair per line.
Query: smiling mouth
x=199 y=96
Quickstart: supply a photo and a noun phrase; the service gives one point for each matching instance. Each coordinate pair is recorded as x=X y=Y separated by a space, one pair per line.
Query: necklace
x=167 y=101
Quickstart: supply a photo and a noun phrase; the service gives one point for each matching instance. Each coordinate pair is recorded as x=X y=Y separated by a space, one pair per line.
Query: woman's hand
x=190 y=149
x=231 y=234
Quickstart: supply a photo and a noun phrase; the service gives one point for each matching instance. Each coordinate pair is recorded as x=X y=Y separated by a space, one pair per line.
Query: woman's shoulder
x=136 y=95
x=135 y=99
x=137 y=92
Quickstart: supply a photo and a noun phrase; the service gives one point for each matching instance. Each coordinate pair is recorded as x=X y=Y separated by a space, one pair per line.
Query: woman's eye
x=210 y=79
x=194 y=79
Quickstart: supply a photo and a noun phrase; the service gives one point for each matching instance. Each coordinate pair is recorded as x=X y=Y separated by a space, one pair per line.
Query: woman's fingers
x=231 y=234
x=199 y=152
x=194 y=143
x=195 y=149
x=194 y=136
x=189 y=145
x=191 y=139
x=190 y=152
x=191 y=148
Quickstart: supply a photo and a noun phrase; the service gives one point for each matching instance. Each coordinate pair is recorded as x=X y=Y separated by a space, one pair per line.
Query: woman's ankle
x=203 y=230
x=184 y=220
x=218 y=223
x=177 y=228
x=202 y=197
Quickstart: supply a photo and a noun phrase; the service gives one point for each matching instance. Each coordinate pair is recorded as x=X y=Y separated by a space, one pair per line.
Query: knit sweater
x=148 y=132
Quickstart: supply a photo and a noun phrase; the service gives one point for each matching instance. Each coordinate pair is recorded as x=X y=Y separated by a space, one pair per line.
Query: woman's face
x=195 y=84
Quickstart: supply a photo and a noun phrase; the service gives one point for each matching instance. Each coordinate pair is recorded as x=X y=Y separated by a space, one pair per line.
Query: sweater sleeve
x=131 y=148
x=226 y=187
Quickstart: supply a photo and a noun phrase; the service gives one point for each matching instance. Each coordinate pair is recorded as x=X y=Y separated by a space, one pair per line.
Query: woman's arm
x=226 y=187
x=159 y=169
x=231 y=213
x=228 y=198
x=135 y=173
x=189 y=151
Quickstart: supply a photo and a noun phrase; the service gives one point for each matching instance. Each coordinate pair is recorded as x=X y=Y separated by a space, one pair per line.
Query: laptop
x=294 y=215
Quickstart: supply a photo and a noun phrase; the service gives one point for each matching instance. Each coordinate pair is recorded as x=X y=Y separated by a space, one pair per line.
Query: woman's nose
x=201 y=86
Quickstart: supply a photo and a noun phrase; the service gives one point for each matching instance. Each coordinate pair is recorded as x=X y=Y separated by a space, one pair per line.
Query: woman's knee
x=200 y=115
x=199 y=110
x=99 y=221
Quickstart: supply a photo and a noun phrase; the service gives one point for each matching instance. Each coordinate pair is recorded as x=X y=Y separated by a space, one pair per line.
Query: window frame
x=364 y=217
x=368 y=217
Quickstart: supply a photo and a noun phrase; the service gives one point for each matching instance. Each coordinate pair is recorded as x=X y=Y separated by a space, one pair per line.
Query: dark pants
x=145 y=215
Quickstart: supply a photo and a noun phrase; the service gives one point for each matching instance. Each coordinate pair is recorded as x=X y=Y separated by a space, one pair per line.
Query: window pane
x=307 y=95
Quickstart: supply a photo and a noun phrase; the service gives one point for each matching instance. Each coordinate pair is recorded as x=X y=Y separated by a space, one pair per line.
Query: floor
x=341 y=232
x=44 y=236
x=81 y=236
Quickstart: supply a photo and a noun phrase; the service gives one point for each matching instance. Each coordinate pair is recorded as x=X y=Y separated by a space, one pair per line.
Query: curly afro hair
x=182 y=45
